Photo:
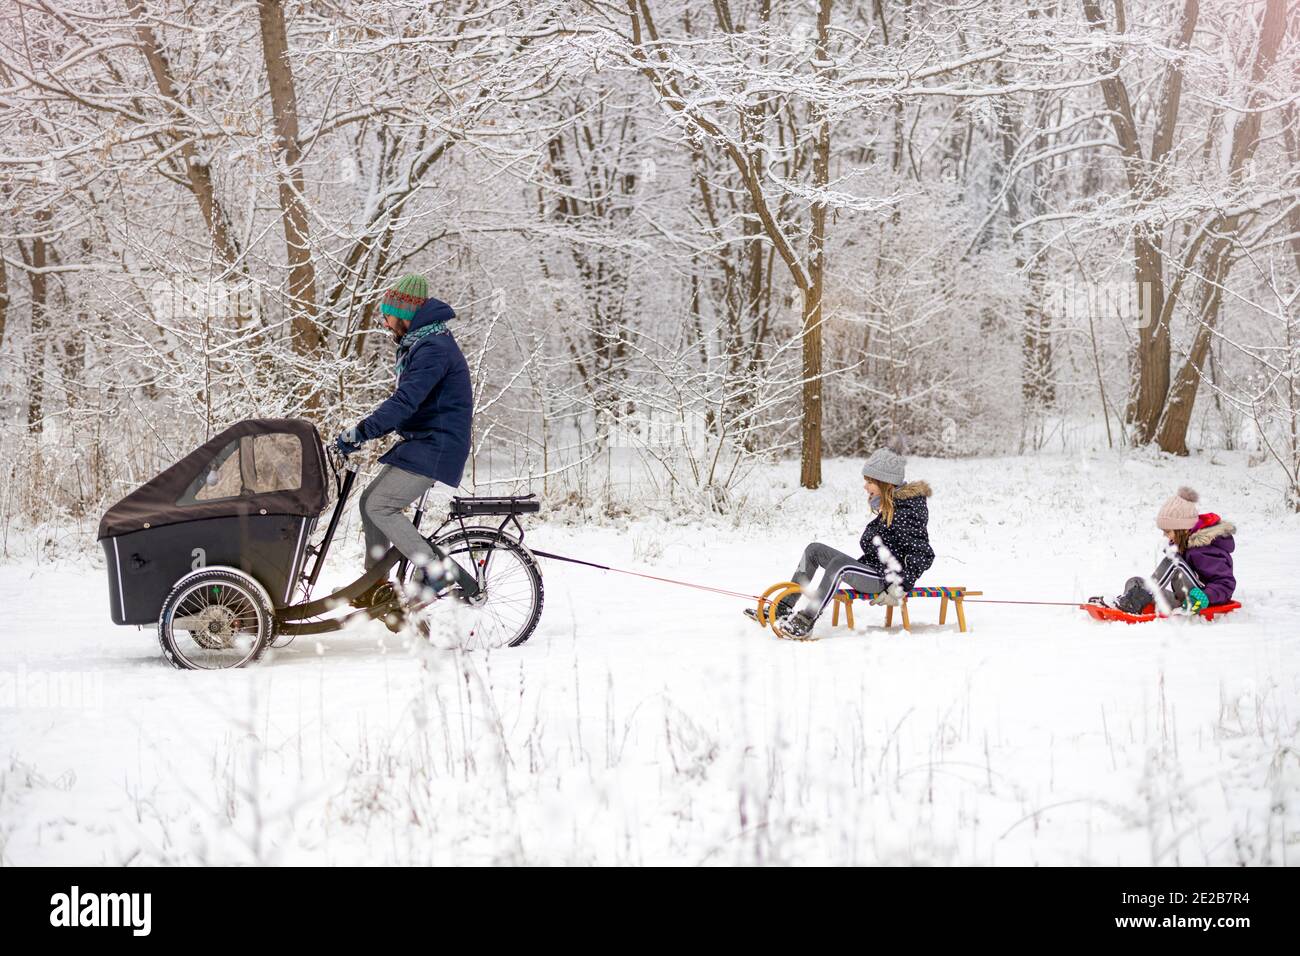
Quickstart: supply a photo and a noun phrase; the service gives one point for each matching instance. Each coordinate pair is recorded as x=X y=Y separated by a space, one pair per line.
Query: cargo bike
x=217 y=550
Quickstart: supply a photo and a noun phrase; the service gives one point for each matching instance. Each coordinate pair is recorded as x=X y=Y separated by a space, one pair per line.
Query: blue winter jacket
x=432 y=406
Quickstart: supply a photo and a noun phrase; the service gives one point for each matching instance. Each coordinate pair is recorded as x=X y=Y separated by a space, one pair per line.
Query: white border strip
x=121 y=595
x=297 y=559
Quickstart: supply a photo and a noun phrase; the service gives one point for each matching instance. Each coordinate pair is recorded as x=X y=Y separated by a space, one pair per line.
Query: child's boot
x=1135 y=597
x=784 y=606
x=797 y=624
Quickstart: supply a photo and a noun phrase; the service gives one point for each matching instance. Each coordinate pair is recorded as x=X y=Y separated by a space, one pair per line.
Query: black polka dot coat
x=907 y=537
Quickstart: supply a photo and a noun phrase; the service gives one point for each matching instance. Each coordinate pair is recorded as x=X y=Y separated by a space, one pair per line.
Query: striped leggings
x=822 y=569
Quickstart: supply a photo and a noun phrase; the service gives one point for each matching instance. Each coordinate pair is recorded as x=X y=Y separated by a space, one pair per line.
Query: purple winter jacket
x=1209 y=552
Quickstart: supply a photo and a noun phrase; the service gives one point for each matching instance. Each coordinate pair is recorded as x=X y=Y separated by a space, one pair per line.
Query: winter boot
x=796 y=625
x=784 y=606
x=1135 y=597
x=446 y=579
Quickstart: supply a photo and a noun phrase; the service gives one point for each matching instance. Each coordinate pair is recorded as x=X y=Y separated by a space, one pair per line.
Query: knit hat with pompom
x=1179 y=512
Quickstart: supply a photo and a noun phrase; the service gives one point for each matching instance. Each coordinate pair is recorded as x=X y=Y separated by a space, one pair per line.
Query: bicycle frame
x=289 y=617
x=293 y=619
x=320 y=550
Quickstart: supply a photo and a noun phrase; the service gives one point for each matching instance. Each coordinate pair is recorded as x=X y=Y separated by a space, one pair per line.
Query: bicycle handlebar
x=346 y=460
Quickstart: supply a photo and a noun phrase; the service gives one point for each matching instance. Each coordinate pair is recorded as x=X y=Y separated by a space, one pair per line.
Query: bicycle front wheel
x=215 y=618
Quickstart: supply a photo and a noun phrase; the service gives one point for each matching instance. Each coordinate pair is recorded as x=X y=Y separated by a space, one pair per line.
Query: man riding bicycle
x=431 y=409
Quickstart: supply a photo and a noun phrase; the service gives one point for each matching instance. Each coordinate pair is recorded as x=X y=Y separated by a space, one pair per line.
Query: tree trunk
x=810 y=456
x=197 y=172
x=671 y=96
x=1148 y=248
x=1036 y=349
x=1146 y=185
x=810 y=452
x=755 y=326
x=1153 y=334
x=306 y=335
x=40 y=322
x=4 y=297
x=1172 y=434
x=1291 y=381
x=1291 y=136
x=72 y=353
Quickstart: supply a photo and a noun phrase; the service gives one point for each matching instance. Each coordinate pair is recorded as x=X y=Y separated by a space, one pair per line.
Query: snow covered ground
x=650 y=724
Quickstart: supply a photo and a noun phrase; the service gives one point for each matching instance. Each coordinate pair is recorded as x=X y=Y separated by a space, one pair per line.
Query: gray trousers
x=1173 y=576
x=382 y=506
x=837 y=568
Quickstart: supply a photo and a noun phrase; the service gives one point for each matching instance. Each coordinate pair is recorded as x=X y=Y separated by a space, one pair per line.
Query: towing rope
x=742 y=594
x=1052 y=603
x=652 y=577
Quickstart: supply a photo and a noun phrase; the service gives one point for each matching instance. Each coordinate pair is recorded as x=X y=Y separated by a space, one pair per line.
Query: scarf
x=410 y=339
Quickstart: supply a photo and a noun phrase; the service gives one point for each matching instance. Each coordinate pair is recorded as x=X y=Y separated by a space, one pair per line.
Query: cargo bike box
x=216 y=551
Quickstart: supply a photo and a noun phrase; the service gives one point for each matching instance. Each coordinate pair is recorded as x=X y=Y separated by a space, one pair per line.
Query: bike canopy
x=258 y=466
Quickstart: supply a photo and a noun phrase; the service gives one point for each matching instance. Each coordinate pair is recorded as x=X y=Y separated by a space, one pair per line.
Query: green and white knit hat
x=405 y=297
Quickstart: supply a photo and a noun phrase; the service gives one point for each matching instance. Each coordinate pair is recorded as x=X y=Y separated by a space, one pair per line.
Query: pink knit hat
x=1179 y=512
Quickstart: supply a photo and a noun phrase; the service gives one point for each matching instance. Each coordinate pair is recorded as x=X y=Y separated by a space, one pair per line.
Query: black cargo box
x=248 y=498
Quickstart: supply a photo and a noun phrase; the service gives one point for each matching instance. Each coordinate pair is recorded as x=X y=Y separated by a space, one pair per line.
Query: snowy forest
x=711 y=233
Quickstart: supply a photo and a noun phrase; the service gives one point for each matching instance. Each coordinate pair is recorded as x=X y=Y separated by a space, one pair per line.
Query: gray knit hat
x=886 y=464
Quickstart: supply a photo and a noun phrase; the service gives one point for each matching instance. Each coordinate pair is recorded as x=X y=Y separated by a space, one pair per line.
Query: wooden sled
x=948 y=594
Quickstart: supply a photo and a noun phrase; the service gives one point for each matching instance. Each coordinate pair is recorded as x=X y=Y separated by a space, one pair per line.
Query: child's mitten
x=1196 y=600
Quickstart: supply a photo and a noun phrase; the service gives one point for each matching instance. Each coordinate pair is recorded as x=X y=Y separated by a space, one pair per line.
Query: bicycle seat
x=508 y=505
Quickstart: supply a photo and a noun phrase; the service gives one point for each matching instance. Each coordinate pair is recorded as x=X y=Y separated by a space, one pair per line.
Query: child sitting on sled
x=1196 y=571
x=895 y=547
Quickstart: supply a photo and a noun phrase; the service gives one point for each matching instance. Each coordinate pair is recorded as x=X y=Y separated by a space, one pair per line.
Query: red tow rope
x=1052 y=603
x=651 y=577
x=752 y=597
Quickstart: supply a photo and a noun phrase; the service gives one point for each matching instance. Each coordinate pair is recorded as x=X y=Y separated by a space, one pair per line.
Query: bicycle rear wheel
x=507 y=609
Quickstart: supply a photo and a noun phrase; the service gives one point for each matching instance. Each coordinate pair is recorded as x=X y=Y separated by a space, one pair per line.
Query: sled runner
x=770 y=600
x=216 y=548
x=1103 y=613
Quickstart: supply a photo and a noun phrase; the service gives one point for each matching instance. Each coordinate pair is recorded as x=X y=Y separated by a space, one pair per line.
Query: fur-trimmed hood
x=915 y=489
x=1199 y=539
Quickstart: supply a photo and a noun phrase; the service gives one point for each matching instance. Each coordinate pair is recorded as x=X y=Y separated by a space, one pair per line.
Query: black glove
x=349 y=441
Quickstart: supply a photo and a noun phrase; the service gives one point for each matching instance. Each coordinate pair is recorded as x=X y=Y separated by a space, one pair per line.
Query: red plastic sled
x=1113 y=614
